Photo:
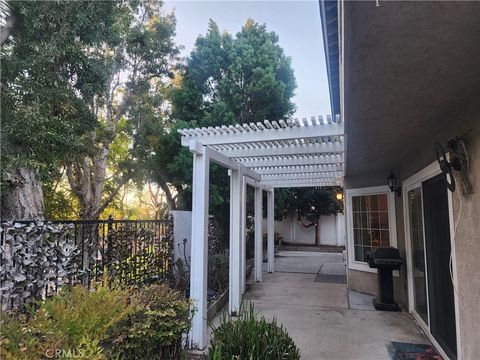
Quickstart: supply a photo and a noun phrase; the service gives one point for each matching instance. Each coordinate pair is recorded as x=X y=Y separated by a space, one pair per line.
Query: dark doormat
x=328 y=278
x=407 y=351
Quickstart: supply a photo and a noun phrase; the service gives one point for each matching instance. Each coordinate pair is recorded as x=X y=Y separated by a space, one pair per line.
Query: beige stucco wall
x=467 y=247
x=467 y=239
x=363 y=282
x=366 y=282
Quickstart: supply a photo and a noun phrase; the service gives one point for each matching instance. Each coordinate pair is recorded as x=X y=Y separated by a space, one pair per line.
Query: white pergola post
x=199 y=259
x=243 y=236
x=270 y=230
x=234 y=299
x=258 y=234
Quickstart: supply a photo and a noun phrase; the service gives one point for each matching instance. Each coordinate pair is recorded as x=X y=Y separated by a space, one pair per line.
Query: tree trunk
x=6 y=28
x=87 y=175
x=24 y=197
x=168 y=194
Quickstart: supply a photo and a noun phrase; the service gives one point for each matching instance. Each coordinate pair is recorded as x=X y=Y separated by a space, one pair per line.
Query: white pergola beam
x=283 y=150
x=258 y=234
x=221 y=159
x=272 y=170
x=262 y=162
x=252 y=182
x=199 y=262
x=216 y=156
x=270 y=231
x=266 y=187
x=237 y=136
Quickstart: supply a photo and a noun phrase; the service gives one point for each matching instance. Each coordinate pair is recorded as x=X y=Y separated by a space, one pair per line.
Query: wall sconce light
x=392 y=184
x=339 y=196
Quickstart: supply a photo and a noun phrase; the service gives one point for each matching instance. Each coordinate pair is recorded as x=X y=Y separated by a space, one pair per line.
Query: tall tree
x=138 y=66
x=226 y=79
x=48 y=78
x=76 y=77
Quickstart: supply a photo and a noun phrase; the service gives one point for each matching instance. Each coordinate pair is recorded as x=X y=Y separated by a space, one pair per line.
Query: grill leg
x=385 y=301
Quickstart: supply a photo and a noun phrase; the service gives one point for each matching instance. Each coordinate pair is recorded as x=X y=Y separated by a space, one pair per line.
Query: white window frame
x=392 y=223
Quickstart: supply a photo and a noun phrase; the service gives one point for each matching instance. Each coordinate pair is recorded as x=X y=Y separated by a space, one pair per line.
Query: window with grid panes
x=370 y=224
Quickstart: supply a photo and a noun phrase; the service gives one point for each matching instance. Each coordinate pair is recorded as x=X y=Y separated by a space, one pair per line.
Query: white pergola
x=269 y=155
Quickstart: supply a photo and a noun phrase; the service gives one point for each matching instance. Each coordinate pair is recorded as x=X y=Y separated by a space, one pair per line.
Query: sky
x=296 y=22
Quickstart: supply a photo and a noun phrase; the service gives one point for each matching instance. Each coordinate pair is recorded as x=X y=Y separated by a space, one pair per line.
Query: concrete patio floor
x=317 y=314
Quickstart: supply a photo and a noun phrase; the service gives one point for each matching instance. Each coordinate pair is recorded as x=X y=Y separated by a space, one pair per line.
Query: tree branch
x=109 y=199
x=153 y=196
x=305 y=226
x=73 y=182
x=170 y=200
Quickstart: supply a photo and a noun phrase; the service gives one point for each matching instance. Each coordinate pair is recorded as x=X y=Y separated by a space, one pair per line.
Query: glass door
x=417 y=237
x=441 y=304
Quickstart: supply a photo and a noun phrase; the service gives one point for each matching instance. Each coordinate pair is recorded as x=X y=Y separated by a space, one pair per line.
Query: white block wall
x=182 y=229
x=331 y=230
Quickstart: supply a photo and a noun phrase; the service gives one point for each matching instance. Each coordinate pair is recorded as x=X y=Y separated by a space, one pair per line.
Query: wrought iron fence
x=39 y=257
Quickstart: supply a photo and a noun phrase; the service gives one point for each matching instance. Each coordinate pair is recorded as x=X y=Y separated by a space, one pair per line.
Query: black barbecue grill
x=385 y=260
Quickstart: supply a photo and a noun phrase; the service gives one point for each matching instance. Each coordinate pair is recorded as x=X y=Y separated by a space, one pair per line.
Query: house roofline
x=329 y=20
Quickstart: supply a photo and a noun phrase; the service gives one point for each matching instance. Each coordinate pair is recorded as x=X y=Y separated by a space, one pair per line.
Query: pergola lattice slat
x=298 y=184
x=327 y=168
x=252 y=135
x=301 y=149
x=277 y=161
x=311 y=175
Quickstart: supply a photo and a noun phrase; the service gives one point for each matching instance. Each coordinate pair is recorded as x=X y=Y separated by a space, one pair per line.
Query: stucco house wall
x=467 y=248
x=467 y=238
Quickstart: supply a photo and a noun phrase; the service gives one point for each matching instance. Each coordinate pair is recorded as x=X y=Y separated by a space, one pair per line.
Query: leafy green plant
x=218 y=273
x=154 y=329
x=251 y=338
x=108 y=323
x=15 y=339
x=69 y=324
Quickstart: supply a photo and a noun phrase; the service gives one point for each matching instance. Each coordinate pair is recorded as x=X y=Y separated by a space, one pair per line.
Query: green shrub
x=71 y=324
x=98 y=325
x=15 y=339
x=154 y=329
x=251 y=338
x=218 y=273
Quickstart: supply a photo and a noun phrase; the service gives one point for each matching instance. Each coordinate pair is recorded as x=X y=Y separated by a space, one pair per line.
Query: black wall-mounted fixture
x=392 y=184
x=455 y=167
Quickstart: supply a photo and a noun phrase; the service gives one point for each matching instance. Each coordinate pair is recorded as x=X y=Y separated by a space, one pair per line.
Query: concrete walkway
x=317 y=314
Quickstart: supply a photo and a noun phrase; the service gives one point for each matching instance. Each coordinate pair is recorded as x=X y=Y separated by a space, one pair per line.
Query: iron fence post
x=108 y=254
